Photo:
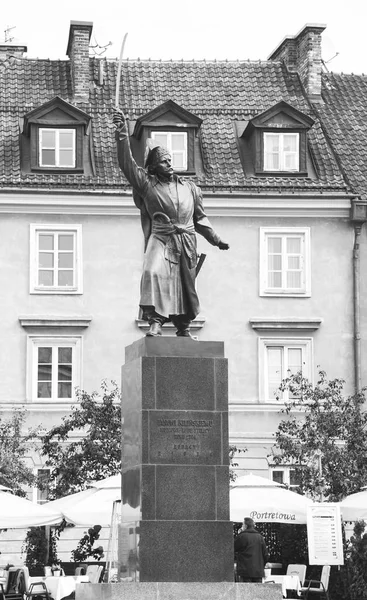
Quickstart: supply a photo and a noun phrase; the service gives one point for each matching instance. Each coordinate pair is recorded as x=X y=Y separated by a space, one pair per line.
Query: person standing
x=172 y=212
x=252 y=555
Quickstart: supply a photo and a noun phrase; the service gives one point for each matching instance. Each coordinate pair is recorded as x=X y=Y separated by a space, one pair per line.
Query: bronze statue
x=172 y=211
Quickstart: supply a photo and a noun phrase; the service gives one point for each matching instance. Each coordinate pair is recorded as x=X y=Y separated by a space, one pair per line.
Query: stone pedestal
x=175 y=476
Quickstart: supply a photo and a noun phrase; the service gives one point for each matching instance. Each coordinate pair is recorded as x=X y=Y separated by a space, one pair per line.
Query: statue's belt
x=178 y=242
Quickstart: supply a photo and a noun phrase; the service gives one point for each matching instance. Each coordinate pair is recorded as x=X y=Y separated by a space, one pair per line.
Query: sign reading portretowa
x=273 y=517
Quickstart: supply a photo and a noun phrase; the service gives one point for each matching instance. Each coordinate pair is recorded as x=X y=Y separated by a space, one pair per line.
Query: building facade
x=268 y=145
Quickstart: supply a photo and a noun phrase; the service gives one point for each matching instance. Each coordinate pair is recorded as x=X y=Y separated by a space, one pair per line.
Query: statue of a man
x=171 y=212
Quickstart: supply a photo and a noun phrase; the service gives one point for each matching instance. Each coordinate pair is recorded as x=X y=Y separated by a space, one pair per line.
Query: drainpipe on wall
x=356 y=306
x=358 y=217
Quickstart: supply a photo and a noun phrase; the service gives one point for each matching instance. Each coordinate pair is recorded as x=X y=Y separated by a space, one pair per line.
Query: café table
x=60 y=587
x=288 y=582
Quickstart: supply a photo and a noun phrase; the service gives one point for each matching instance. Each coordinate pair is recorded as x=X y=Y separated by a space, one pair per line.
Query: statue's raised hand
x=118 y=118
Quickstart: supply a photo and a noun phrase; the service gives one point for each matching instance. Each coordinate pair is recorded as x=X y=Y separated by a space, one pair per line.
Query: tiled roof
x=220 y=93
x=344 y=115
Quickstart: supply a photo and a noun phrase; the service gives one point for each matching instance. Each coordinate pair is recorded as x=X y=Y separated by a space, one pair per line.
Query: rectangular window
x=56 y=259
x=280 y=358
x=43 y=476
x=281 y=151
x=285 y=261
x=54 y=368
x=57 y=148
x=286 y=476
x=176 y=144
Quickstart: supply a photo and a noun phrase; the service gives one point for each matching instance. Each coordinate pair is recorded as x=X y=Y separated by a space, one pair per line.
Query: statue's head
x=159 y=162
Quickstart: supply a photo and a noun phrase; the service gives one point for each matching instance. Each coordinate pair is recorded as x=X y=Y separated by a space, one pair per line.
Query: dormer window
x=277 y=141
x=176 y=129
x=56 y=138
x=57 y=148
x=176 y=144
x=281 y=151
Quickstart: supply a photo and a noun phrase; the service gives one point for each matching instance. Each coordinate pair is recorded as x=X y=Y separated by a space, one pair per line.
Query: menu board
x=324 y=534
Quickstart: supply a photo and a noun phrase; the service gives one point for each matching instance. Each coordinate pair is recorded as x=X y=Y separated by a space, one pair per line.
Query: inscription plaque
x=185 y=437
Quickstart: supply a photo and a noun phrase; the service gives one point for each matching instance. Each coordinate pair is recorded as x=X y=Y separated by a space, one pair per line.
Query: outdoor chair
x=17 y=584
x=95 y=573
x=318 y=587
x=39 y=589
x=299 y=570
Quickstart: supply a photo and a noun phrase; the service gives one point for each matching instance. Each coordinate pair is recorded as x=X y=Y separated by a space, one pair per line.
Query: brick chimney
x=302 y=53
x=8 y=50
x=78 y=52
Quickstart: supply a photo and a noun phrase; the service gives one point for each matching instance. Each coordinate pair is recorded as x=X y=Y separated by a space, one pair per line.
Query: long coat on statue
x=171 y=213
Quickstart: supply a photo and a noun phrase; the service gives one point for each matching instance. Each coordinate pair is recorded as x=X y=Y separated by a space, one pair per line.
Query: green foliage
x=233 y=450
x=87 y=445
x=357 y=563
x=323 y=437
x=14 y=446
x=85 y=550
x=40 y=548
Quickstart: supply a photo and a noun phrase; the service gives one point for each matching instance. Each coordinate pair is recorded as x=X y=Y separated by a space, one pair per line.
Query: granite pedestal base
x=178 y=591
x=175 y=476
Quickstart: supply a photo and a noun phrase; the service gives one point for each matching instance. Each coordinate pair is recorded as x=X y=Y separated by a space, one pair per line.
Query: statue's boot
x=182 y=323
x=155 y=329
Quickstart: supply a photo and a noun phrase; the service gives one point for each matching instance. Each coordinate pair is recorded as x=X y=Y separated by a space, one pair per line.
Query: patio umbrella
x=266 y=501
x=20 y=513
x=92 y=506
x=354 y=506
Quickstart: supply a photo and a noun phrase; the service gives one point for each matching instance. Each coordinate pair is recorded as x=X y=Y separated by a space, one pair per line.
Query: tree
x=87 y=445
x=233 y=450
x=14 y=446
x=323 y=437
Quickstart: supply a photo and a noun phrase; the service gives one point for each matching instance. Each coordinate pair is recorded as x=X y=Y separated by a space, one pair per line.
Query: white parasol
x=266 y=501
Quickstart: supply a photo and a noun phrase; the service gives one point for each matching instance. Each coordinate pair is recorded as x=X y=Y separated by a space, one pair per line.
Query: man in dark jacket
x=249 y=546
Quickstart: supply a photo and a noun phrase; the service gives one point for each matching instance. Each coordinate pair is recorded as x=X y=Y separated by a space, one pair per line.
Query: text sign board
x=324 y=534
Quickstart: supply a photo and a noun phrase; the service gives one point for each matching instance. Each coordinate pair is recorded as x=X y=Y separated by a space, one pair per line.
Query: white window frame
x=170 y=135
x=305 y=343
x=54 y=229
x=286 y=470
x=305 y=259
x=283 y=154
x=57 y=131
x=36 y=341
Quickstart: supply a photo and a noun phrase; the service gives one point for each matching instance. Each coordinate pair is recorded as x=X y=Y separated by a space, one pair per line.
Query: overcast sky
x=190 y=29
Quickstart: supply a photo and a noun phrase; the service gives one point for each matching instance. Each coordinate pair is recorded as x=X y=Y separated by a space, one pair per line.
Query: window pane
x=46 y=259
x=294 y=281
x=44 y=355
x=272 y=143
x=293 y=245
x=275 y=262
x=294 y=360
x=44 y=390
x=66 y=139
x=64 y=372
x=48 y=138
x=64 y=390
x=290 y=143
x=66 y=242
x=278 y=476
x=275 y=279
x=178 y=142
x=275 y=244
x=294 y=262
x=48 y=157
x=178 y=161
x=46 y=241
x=65 y=355
x=275 y=370
x=294 y=477
x=66 y=158
x=44 y=372
x=42 y=492
x=160 y=139
x=45 y=278
x=65 y=278
x=66 y=260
